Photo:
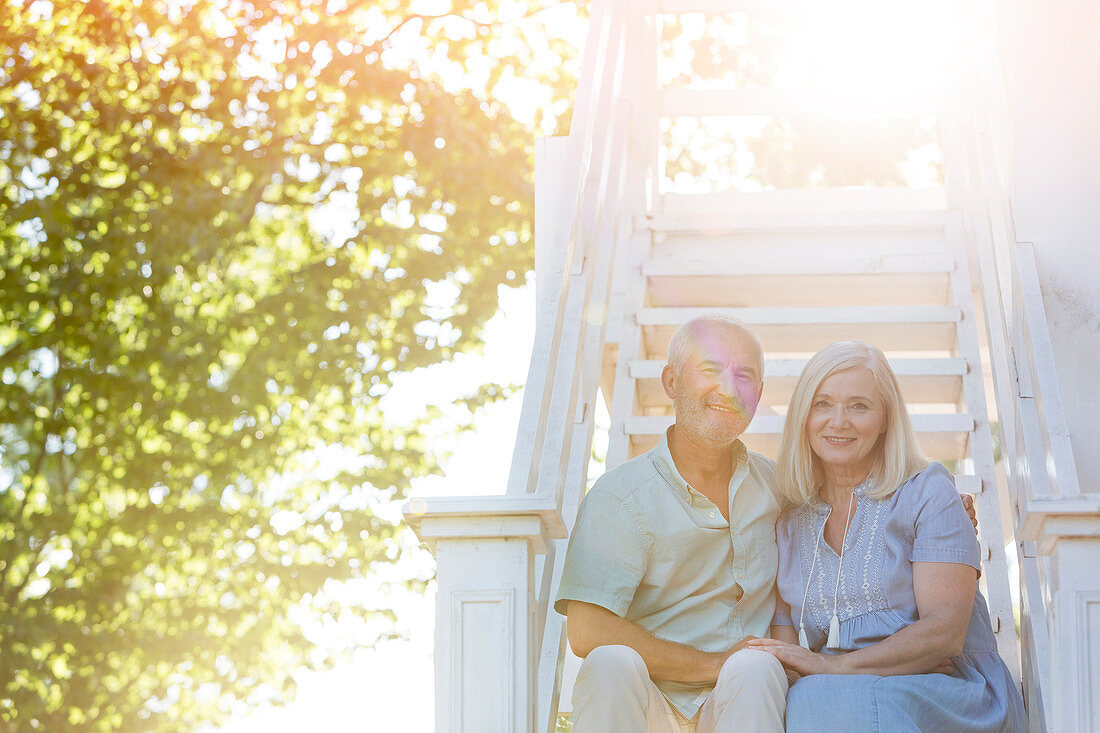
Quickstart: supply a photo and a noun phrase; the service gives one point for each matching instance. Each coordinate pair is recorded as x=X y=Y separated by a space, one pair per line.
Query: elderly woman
x=878 y=567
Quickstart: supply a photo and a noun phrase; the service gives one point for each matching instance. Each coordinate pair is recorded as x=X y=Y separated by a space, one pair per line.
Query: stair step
x=859 y=248
x=724 y=220
x=807 y=330
x=732 y=282
x=923 y=381
x=722 y=7
x=773 y=102
x=942 y=436
x=777 y=263
x=825 y=199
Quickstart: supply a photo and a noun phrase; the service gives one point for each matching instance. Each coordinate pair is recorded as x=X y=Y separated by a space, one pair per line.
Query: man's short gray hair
x=680 y=345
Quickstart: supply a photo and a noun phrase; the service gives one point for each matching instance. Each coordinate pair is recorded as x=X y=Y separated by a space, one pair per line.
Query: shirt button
x=711 y=515
x=740 y=576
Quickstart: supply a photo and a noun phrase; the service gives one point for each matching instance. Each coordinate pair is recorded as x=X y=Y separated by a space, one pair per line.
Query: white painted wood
x=805 y=200
x=923 y=381
x=483 y=636
x=1076 y=630
x=791 y=103
x=721 y=7
x=806 y=330
x=718 y=290
x=995 y=564
x=780 y=264
x=773 y=222
x=556 y=167
x=624 y=398
x=797 y=316
x=1035 y=636
x=1042 y=367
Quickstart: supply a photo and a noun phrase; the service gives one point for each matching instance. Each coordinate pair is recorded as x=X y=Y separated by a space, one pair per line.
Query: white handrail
x=1037 y=455
x=591 y=189
x=549 y=400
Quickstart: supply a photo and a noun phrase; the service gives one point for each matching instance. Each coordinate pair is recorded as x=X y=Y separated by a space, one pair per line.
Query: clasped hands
x=802 y=661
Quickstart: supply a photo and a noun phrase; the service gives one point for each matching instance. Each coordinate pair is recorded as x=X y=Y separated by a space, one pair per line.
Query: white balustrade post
x=1075 y=621
x=485 y=648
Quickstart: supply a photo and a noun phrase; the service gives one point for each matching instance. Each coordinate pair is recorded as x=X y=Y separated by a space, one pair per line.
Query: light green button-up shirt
x=649 y=548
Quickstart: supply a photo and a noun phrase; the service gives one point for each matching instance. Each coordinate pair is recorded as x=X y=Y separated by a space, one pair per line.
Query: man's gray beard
x=695 y=418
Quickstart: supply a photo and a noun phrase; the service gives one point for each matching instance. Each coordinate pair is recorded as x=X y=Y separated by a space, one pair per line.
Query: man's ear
x=668 y=381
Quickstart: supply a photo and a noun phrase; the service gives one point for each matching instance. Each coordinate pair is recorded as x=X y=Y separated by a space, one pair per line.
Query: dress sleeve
x=782 y=615
x=606 y=558
x=943 y=532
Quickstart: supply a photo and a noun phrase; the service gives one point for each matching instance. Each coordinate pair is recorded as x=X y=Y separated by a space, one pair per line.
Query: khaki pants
x=614 y=694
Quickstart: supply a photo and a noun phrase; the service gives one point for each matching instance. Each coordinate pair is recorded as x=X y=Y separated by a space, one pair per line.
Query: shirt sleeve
x=943 y=532
x=605 y=560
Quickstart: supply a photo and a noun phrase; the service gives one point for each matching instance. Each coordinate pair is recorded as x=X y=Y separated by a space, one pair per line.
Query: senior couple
x=677 y=558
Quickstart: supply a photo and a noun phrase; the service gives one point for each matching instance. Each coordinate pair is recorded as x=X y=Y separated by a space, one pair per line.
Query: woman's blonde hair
x=898 y=455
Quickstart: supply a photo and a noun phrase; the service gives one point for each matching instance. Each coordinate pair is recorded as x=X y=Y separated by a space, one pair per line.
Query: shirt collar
x=662 y=461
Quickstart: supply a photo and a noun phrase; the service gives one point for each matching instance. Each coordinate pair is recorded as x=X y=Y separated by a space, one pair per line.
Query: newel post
x=485 y=647
x=1069 y=537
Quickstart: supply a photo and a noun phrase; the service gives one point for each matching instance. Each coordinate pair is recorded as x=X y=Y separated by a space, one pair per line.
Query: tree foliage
x=224 y=226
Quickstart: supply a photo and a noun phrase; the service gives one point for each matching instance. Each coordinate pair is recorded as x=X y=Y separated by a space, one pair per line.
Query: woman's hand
x=799 y=659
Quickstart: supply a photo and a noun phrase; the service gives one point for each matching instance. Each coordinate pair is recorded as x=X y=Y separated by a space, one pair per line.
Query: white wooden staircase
x=620 y=262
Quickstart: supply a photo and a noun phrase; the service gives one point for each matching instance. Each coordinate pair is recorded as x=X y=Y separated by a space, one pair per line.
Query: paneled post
x=1075 y=617
x=485 y=622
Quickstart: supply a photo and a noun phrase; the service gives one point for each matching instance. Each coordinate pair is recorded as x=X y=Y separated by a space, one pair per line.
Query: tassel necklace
x=834 y=623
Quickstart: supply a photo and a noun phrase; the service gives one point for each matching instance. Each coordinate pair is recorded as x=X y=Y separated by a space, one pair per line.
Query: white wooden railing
x=498 y=557
x=1056 y=524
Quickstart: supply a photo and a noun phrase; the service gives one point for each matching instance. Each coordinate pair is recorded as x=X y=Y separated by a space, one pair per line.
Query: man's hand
x=589 y=626
x=968 y=505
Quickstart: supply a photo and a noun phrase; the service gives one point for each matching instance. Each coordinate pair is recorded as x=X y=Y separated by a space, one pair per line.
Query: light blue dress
x=923 y=521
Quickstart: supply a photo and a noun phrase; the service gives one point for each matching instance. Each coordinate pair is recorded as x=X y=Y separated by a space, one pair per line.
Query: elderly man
x=671 y=565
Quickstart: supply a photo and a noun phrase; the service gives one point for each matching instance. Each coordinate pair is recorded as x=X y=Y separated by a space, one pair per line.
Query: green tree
x=224 y=226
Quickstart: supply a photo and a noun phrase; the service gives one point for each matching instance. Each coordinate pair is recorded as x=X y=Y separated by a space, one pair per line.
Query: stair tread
x=774 y=368
x=733 y=221
x=669 y=316
x=775 y=102
x=776 y=265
